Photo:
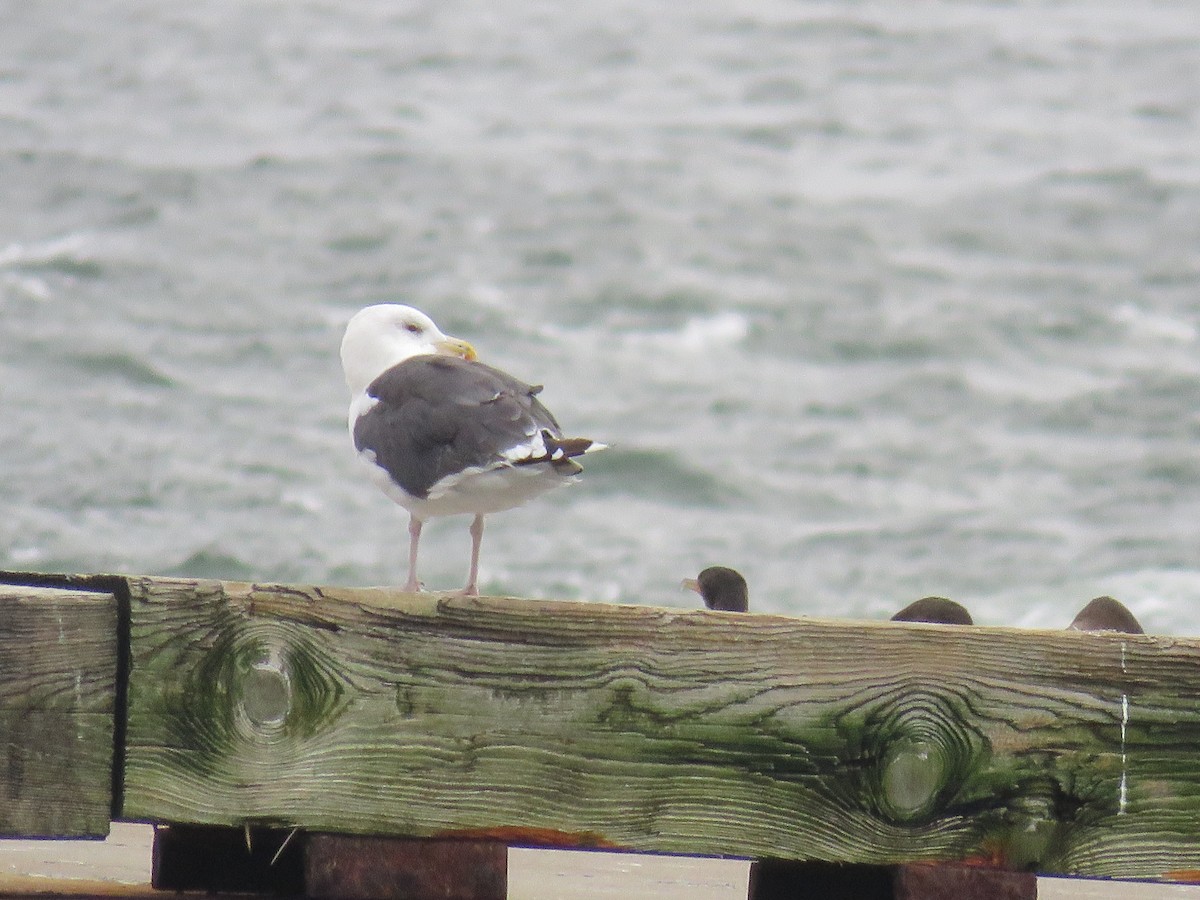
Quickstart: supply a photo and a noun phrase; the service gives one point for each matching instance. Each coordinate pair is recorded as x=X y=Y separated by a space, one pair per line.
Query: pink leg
x=414 y=538
x=472 y=588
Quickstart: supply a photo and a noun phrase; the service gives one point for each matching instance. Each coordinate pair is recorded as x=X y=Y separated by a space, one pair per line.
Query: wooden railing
x=566 y=724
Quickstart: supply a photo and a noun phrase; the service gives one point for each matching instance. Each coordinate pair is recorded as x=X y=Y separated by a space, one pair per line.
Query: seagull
x=938 y=610
x=1106 y=614
x=443 y=434
x=721 y=588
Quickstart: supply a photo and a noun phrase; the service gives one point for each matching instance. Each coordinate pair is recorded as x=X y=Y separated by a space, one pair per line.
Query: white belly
x=473 y=491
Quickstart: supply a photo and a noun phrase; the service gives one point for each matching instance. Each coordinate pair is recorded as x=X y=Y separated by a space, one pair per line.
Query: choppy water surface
x=871 y=300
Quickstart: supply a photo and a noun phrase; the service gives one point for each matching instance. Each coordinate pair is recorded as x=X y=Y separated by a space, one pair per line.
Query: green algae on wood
x=373 y=711
x=58 y=672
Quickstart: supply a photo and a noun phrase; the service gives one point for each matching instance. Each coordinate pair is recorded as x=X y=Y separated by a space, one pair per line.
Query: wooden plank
x=554 y=874
x=1089 y=889
x=683 y=732
x=119 y=865
x=58 y=671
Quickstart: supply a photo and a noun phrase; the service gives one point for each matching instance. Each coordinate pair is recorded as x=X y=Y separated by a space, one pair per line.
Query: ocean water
x=871 y=300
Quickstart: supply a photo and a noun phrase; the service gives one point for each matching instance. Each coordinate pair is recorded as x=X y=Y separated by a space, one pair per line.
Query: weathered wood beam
x=58 y=673
x=371 y=711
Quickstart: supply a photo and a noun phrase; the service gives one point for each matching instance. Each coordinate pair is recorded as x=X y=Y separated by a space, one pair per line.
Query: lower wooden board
x=58 y=676
x=120 y=867
x=535 y=874
x=590 y=725
x=1088 y=889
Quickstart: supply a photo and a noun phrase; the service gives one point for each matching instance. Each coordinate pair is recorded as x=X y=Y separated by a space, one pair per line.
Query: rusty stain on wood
x=518 y=836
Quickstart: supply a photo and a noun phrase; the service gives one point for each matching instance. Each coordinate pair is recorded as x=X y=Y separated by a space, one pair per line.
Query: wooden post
x=583 y=724
x=920 y=882
x=58 y=673
x=368 y=868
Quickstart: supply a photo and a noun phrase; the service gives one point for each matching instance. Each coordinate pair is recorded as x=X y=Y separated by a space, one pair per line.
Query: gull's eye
x=412 y=327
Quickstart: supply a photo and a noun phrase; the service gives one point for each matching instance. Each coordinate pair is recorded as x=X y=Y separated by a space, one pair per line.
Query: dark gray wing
x=438 y=415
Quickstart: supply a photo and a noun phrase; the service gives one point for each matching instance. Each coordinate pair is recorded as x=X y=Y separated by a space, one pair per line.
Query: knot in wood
x=921 y=749
x=911 y=776
x=257 y=683
x=267 y=693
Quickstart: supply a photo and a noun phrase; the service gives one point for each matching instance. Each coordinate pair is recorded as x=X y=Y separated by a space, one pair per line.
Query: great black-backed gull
x=1106 y=614
x=721 y=588
x=443 y=434
x=937 y=610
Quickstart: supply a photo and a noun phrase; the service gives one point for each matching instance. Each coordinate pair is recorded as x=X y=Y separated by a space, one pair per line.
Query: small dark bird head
x=934 y=609
x=1106 y=614
x=721 y=588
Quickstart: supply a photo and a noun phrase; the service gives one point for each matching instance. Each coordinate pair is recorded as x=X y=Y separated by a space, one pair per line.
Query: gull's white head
x=378 y=337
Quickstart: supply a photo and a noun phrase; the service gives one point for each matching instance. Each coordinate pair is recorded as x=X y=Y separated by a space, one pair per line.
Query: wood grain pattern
x=58 y=671
x=693 y=732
